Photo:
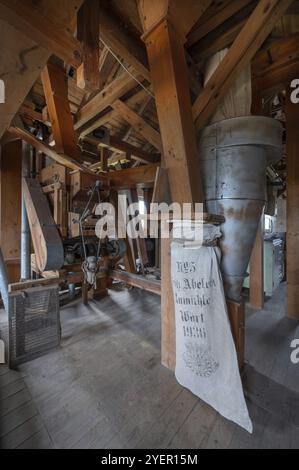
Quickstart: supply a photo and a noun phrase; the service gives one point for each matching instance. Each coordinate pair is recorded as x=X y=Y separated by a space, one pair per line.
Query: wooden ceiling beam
x=222 y=36
x=184 y=14
x=107 y=68
x=205 y=26
x=208 y=46
x=42 y=30
x=19 y=70
x=123 y=44
x=21 y=58
x=129 y=178
x=138 y=123
x=131 y=49
x=140 y=111
x=104 y=98
x=29 y=113
x=245 y=46
x=276 y=79
x=40 y=146
x=276 y=65
x=118 y=145
x=109 y=115
x=55 y=86
x=278 y=51
x=88 y=74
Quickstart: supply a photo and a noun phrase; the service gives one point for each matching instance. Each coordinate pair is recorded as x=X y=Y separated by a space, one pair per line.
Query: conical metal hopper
x=234 y=155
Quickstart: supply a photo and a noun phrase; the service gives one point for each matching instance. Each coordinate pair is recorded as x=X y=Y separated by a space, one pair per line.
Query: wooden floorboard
x=21 y=433
x=14 y=401
x=17 y=417
x=11 y=388
x=39 y=440
x=105 y=387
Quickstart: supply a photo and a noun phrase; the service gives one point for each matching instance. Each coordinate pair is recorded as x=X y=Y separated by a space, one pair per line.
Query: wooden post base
x=94 y=294
x=236 y=314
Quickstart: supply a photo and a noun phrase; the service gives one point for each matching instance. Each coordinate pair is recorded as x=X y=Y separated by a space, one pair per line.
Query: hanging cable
x=126 y=68
x=85 y=266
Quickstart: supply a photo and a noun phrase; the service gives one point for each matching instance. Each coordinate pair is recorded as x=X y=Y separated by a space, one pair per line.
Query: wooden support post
x=257 y=270
x=236 y=315
x=129 y=260
x=85 y=293
x=168 y=344
x=56 y=92
x=164 y=41
x=147 y=200
x=60 y=210
x=88 y=74
x=10 y=206
x=165 y=47
x=104 y=152
x=99 y=292
x=292 y=119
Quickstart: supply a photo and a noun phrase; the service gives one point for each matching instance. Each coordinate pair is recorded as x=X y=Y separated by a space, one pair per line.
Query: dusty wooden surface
x=105 y=387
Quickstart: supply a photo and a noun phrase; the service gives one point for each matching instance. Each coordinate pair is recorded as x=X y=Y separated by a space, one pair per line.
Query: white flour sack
x=206 y=359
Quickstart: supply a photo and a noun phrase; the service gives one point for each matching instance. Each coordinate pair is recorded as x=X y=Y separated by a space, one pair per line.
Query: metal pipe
x=25 y=232
x=34 y=157
x=3 y=281
x=72 y=291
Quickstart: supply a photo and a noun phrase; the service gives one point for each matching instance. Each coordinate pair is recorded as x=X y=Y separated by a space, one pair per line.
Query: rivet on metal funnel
x=234 y=155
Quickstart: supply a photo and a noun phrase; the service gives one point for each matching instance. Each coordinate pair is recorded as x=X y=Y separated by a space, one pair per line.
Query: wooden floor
x=105 y=388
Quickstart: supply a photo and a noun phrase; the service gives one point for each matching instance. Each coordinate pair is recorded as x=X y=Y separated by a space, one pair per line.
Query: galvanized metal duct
x=234 y=155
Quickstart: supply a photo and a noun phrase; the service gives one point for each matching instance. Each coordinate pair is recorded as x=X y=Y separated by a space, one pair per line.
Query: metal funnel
x=234 y=155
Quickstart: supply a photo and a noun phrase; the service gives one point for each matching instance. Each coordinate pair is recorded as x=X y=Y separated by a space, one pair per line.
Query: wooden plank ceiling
x=121 y=98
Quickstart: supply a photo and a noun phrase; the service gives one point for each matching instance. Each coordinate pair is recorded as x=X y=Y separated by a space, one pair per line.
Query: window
x=268 y=224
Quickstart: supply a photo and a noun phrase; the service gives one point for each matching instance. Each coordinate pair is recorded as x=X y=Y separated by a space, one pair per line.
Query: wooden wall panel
x=292 y=118
x=257 y=270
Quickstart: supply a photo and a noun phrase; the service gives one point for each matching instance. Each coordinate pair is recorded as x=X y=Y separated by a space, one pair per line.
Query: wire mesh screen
x=34 y=323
